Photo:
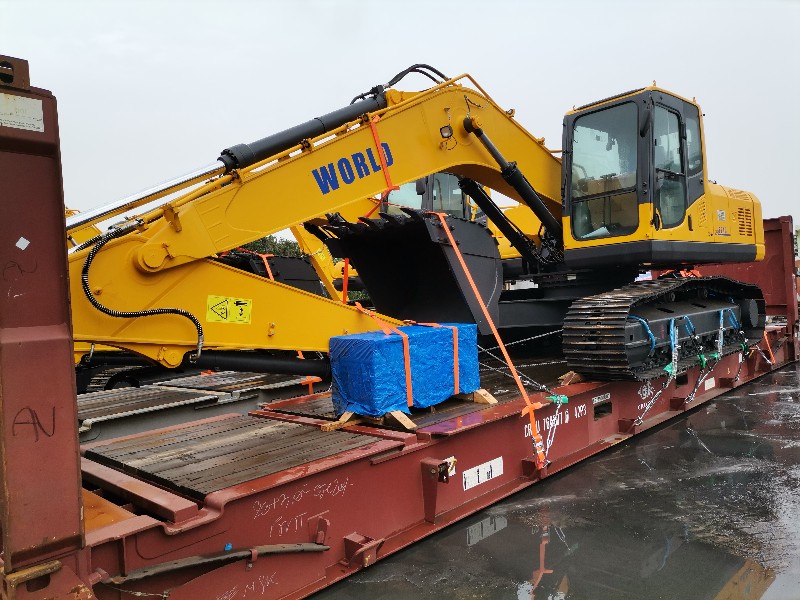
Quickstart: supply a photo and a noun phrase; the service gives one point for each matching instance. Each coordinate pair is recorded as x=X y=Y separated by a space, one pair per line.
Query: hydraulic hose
x=104 y=239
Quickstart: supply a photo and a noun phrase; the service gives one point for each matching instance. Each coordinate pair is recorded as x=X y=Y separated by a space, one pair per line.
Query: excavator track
x=625 y=333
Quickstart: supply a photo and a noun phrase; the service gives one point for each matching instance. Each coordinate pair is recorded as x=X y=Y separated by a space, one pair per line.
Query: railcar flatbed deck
x=256 y=495
x=206 y=457
x=324 y=504
x=123 y=411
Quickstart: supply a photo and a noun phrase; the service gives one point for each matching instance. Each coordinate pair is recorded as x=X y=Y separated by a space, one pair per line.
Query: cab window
x=604 y=172
x=668 y=162
x=446 y=196
x=694 y=148
x=406 y=196
x=695 y=187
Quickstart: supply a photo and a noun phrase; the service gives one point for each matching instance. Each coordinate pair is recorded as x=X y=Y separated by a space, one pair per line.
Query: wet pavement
x=705 y=507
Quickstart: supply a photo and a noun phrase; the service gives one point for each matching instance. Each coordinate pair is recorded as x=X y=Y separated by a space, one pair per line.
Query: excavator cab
x=438 y=192
x=635 y=188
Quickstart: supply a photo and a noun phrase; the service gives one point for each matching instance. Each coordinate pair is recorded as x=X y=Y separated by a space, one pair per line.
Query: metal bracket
x=434 y=472
x=361 y=549
x=322 y=531
x=253 y=558
x=532 y=471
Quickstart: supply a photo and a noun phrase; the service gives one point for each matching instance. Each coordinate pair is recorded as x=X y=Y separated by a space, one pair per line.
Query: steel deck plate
x=207 y=457
x=229 y=381
x=320 y=407
x=117 y=403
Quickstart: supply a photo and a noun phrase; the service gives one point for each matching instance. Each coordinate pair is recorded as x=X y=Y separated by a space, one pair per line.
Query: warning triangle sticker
x=221 y=309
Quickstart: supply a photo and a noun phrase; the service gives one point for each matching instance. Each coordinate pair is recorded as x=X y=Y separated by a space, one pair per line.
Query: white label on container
x=710 y=383
x=601 y=398
x=482 y=473
x=21 y=113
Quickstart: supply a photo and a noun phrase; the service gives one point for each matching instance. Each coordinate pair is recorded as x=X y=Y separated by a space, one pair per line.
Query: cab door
x=670 y=177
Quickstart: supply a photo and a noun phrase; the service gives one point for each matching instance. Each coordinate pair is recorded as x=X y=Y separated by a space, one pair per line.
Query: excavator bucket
x=411 y=271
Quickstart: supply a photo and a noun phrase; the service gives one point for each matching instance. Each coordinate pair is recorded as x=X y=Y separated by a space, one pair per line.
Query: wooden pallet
x=350 y=418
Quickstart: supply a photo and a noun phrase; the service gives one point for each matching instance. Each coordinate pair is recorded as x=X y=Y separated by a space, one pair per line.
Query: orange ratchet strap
x=389 y=185
x=769 y=348
x=530 y=407
x=388 y=330
x=374 y=208
x=454 y=329
x=263 y=257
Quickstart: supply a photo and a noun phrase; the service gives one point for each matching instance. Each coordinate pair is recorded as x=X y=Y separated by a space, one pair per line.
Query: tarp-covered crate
x=369 y=376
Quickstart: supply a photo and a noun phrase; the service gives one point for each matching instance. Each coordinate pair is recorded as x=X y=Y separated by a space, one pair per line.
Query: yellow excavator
x=632 y=194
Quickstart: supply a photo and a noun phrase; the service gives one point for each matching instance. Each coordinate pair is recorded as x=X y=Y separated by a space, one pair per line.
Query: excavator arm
x=164 y=258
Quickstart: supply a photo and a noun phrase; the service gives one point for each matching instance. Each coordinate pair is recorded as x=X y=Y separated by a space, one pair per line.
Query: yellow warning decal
x=223 y=309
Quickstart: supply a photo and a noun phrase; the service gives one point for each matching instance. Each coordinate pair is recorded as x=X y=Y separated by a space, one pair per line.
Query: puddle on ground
x=707 y=507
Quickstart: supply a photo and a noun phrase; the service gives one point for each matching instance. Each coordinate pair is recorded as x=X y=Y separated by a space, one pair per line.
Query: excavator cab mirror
x=421 y=187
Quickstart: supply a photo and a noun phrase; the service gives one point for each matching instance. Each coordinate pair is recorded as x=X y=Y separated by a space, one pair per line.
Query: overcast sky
x=150 y=90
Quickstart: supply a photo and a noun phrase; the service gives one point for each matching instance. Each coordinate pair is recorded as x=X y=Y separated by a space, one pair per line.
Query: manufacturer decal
x=348 y=168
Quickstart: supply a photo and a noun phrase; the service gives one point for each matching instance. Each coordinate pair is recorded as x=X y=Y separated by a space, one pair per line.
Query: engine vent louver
x=739 y=195
x=744 y=216
x=701 y=214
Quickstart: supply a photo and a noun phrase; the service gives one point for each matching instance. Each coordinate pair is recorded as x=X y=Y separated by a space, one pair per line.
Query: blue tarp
x=369 y=373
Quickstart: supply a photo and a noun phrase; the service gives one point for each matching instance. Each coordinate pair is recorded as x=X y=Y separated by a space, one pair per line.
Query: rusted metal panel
x=38 y=442
x=771 y=275
x=367 y=502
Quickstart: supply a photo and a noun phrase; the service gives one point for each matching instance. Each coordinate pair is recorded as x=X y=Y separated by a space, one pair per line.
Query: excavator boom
x=165 y=258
